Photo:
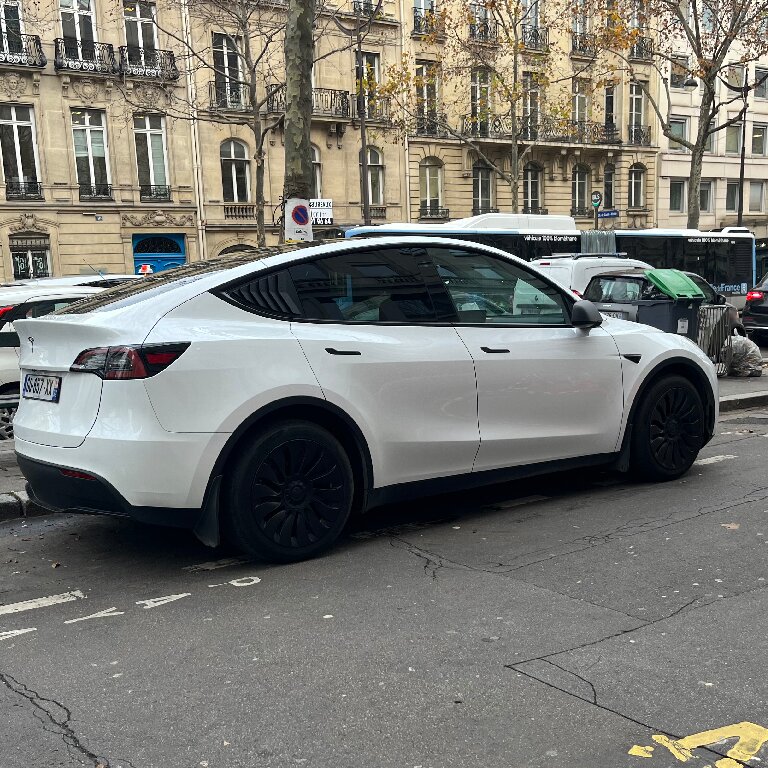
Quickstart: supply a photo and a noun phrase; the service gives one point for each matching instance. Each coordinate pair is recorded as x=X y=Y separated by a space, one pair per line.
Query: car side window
x=490 y=290
x=705 y=288
x=377 y=286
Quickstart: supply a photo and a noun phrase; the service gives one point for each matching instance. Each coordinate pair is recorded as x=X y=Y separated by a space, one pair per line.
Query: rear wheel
x=290 y=493
x=668 y=430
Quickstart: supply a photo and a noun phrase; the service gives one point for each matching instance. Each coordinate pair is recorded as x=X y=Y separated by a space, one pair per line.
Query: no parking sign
x=298 y=223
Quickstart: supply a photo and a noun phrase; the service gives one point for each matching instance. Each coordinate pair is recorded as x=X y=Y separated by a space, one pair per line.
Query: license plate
x=618 y=315
x=38 y=386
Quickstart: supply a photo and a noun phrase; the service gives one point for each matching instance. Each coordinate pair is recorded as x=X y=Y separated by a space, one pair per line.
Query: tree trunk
x=697 y=158
x=261 y=238
x=514 y=176
x=299 y=55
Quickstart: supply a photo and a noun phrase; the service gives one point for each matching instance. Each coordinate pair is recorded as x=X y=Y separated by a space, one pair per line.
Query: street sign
x=610 y=214
x=597 y=198
x=321 y=210
x=298 y=224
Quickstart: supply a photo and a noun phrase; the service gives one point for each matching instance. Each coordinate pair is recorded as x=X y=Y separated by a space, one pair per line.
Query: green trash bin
x=680 y=312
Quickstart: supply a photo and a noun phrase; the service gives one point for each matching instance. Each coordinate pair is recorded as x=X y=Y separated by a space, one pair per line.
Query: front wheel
x=668 y=430
x=289 y=494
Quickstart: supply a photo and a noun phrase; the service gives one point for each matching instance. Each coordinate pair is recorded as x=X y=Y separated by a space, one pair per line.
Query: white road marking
x=245 y=581
x=714 y=459
x=215 y=564
x=14 y=632
x=154 y=602
x=100 y=615
x=41 y=602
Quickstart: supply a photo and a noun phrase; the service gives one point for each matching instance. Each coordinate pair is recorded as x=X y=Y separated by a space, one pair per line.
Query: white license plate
x=619 y=315
x=38 y=386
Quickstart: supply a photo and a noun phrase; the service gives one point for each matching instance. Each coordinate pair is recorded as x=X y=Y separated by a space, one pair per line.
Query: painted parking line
x=214 y=565
x=714 y=460
x=41 y=602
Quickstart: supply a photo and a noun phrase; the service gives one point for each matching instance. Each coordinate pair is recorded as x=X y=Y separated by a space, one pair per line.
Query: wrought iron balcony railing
x=550 y=129
x=228 y=96
x=143 y=62
x=23 y=190
x=85 y=56
x=326 y=102
x=21 y=50
x=425 y=22
x=483 y=31
x=642 y=49
x=95 y=191
x=487 y=126
x=582 y=211
x=430 y=123
x=583 y=45
x=376 y=109
x=433 y=211
x=363 y=7
x=154 y=192
x=639 y=135
x=478 y=209
x=538 y=211
x=535 y=38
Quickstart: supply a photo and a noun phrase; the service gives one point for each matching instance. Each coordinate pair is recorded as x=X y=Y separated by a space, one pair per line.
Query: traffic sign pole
x=597 y=198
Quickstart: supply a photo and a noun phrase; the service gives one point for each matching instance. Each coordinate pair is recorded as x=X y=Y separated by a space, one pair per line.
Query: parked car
x=574 y=271
x=615 y=295
x=96 y=280
x=237 y=396
x=754 y=316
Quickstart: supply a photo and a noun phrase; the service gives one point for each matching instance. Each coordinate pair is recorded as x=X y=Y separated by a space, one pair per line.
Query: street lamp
x=744 y=91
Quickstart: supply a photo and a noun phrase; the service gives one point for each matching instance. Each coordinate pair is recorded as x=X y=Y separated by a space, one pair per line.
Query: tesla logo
x=31 y=340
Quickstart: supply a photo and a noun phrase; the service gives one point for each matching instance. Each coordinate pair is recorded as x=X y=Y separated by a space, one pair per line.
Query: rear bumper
x=51 y=488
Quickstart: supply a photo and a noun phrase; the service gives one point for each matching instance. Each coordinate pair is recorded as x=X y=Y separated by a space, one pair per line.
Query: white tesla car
x=268 y=399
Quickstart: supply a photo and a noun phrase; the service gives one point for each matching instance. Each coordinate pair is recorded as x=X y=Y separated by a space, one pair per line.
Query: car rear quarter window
x=620 y=289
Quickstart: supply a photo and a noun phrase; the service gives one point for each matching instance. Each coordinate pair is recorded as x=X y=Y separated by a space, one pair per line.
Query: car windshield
x=133 y=291
x=621 y=289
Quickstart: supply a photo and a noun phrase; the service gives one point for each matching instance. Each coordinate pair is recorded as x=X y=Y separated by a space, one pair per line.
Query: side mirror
x=585 y=315
x=720 y=299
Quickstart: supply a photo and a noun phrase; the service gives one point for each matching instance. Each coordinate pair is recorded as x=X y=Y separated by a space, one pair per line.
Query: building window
x=609 y=103
x=580 y=100
x=709 y=142
x=90 y=142
x=678 y=72
x=482 y=188
x=77 y=29
x=317 y=174
x=230 y=92
x=705 y=196
x=677 y=196
x=636 y=186
x=580 y=190
x=531 y=97
x=759 y=135
x=31 y=256
x=375 y=176
x=426 y=82
x=530 y=13
x=149 y=137
x=580 y=18
x=235 y=171
x=732 y=196
x=733 y=138
x=609 y=175
x=532 y=174
x=636 y=105
x=735 y=75
x=430 y=187
x=19 y=147
x=480 y=100
x=678 y=128
x=369 y=81
x=10 y=26
x=761 y=83
x=755 y=196
x=140 y=35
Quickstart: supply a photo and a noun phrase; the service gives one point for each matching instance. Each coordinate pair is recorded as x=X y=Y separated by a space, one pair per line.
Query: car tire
x=289 y=495
x=668 y=430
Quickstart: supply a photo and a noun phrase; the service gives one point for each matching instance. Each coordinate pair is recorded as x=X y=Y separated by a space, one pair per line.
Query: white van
x=575 y=270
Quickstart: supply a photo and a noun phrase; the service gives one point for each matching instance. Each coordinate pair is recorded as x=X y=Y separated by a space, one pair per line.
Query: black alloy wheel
x=668 y=430
x=290 y=493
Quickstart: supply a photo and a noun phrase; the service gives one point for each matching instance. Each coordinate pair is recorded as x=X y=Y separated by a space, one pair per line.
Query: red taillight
x=755 y=296
x=127 y=362
x=76 y=474
x=4 y=310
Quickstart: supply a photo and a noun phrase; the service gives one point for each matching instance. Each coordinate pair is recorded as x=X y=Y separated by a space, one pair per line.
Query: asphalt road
x=577 y=620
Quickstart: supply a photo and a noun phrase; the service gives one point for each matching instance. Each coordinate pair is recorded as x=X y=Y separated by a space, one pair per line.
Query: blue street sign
x=607 y=214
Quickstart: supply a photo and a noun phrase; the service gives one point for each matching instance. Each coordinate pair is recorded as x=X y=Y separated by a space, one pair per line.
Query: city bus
x=725 y=258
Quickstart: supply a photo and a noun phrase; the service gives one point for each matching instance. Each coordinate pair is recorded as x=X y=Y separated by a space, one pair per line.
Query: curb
x=742 y=402
x=17 y=505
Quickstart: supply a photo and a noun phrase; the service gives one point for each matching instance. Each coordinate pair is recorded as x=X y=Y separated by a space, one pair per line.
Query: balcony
x=642 y=49
x=228 y=96
x=21 y=50
x=583 y=212
x=86 y=56
x=483 y=31
x=23 y=190
x=535 y=38
x=425 y=22
x=431 y=124
x=535 y=210
x=377 y=211
x=479 y=209
x=584 y=45
x=326 y=102
x=143 y=62
x=363 y=7
x=154 y=193
x=239 y=212
x=95 y=191
x=433 y=211
x=556 y=130
x=639 y=135
x=487 y=126
x=376 y=109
